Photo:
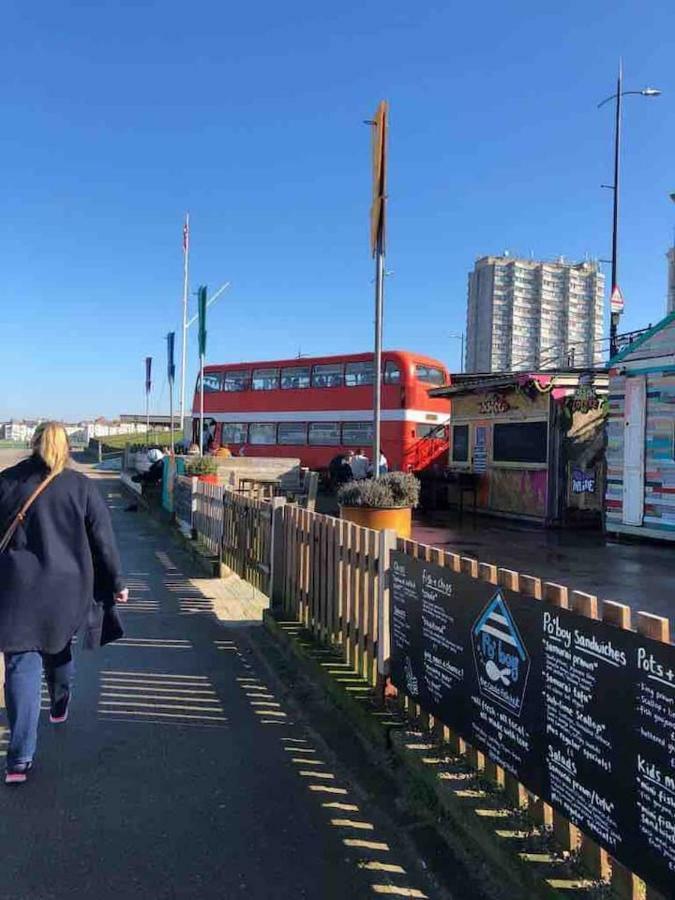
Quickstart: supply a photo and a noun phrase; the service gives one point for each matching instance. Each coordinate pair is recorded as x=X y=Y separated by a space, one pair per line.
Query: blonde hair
x=50 y=443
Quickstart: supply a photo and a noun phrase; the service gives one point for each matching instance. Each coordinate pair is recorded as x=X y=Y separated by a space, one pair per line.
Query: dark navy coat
x=62 y=557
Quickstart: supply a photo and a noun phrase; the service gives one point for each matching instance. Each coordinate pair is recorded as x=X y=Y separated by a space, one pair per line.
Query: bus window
x=357 y=434
x=324 y=433
x=292 y=433
x=211 y=382
x=233 y=433
x=329 y=375
x=262 y=433
x=295 y=378
x=265 y=379
x=429 y=374
x=432 y=431
x=392 y=373
x=358 y=373
x=237 y=381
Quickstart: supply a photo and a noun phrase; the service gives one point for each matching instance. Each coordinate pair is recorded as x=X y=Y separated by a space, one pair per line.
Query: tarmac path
x=178 y=774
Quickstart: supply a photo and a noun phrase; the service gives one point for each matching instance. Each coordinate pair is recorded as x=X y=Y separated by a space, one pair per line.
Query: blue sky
x=118 y=116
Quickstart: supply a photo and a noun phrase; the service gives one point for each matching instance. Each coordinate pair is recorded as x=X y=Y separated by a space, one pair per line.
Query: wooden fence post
x=387 y=539
x=276 y=580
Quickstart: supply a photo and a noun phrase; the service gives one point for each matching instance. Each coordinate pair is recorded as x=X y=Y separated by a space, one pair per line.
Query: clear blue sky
x=117 y=116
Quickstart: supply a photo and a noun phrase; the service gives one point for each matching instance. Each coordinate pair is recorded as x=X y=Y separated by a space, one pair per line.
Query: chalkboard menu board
x=182 y=501
x=580 y=712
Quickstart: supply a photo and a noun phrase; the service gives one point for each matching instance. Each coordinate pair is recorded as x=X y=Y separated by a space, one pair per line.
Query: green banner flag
x=202 y=320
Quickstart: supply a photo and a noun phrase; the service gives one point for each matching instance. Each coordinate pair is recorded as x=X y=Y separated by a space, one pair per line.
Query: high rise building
x=671 y=279
x=525 y=314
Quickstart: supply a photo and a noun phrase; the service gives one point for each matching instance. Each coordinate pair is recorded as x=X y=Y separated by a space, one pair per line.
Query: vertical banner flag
x=170 y=350
x=202 y=320
x=377 y=210
x=186 y=235
x=148 y=374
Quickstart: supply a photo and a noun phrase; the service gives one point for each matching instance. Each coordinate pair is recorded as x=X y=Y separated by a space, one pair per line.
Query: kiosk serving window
x=520 y=442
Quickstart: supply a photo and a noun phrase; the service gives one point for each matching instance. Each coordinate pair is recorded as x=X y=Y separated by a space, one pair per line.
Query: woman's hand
x=122 y=596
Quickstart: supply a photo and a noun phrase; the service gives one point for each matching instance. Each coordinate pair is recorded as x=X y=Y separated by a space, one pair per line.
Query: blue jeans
x=23 y=683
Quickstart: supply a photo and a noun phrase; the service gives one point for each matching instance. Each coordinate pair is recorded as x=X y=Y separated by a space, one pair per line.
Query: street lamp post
x=616 y=300
x=459 y=336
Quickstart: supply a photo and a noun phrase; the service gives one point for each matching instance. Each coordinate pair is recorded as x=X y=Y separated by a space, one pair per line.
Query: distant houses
x=22 y=431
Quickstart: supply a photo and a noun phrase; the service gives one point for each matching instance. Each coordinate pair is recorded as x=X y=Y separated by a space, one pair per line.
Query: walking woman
x=57 y=554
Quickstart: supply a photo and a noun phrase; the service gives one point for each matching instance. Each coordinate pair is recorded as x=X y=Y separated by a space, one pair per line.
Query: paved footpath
x=179 y=775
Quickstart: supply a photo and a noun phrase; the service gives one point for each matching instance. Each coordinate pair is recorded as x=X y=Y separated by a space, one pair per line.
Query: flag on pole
x=379 y=151
x=186 y=235
x=148 y=374
x=616 y=303
x=202 y=320
x=170 y=351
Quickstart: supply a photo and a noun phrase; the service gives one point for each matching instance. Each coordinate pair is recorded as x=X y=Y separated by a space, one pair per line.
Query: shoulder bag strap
x=21 y=515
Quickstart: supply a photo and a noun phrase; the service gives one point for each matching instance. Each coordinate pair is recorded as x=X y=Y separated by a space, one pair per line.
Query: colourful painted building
x=530 y=443
x=640 y=495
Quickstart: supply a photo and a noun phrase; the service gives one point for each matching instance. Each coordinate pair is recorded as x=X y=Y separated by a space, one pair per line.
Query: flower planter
x=399 y=518
x=208 y=479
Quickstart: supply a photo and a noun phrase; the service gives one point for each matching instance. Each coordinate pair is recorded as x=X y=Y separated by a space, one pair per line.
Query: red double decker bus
x=316 y=408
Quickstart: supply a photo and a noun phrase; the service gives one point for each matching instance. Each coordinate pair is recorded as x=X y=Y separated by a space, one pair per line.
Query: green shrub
x=201 y=466
x=393 y=490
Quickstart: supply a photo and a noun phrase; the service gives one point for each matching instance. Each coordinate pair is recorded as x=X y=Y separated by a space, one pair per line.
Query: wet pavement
x=640 y=574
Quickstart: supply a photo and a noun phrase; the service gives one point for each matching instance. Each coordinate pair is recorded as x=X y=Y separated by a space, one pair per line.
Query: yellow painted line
x=343 y=807
x=571 y=884
x=351 y=823
x=137 y=696
x=142 y=674
x=327 y=775
x=297 y=749
x=493 y=813
x=395 y=891
x=269 y=712
x=288 y=740
x=126 y=703
x=539 y=858
x=265 y=703
x=513 y=835
x=366 y=845
x=153 y=714
x=373 y=865
x=303 y=761
x=468 y=793
x=326 y=789
x=177 y=687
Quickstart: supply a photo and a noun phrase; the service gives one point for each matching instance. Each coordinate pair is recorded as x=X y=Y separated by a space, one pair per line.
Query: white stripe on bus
x=332 y=415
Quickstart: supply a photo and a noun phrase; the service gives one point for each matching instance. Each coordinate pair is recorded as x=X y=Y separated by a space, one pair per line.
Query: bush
x=202 y=466
x=393 y=490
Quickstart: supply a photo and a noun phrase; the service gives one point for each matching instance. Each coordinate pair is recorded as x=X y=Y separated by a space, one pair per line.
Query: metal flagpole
x=201 y=404
x=183 y=365
x=148 y=387
x=202 y=304
x=377 y=404
x=377 y=242
x=171 y=375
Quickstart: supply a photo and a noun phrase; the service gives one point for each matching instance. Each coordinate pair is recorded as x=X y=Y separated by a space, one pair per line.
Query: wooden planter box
x=398 y=518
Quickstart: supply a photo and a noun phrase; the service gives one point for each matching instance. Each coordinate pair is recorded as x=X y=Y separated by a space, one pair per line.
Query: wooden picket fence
x=332 y=576
x=331 y=583
x=207 y=518
x=247 y=538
